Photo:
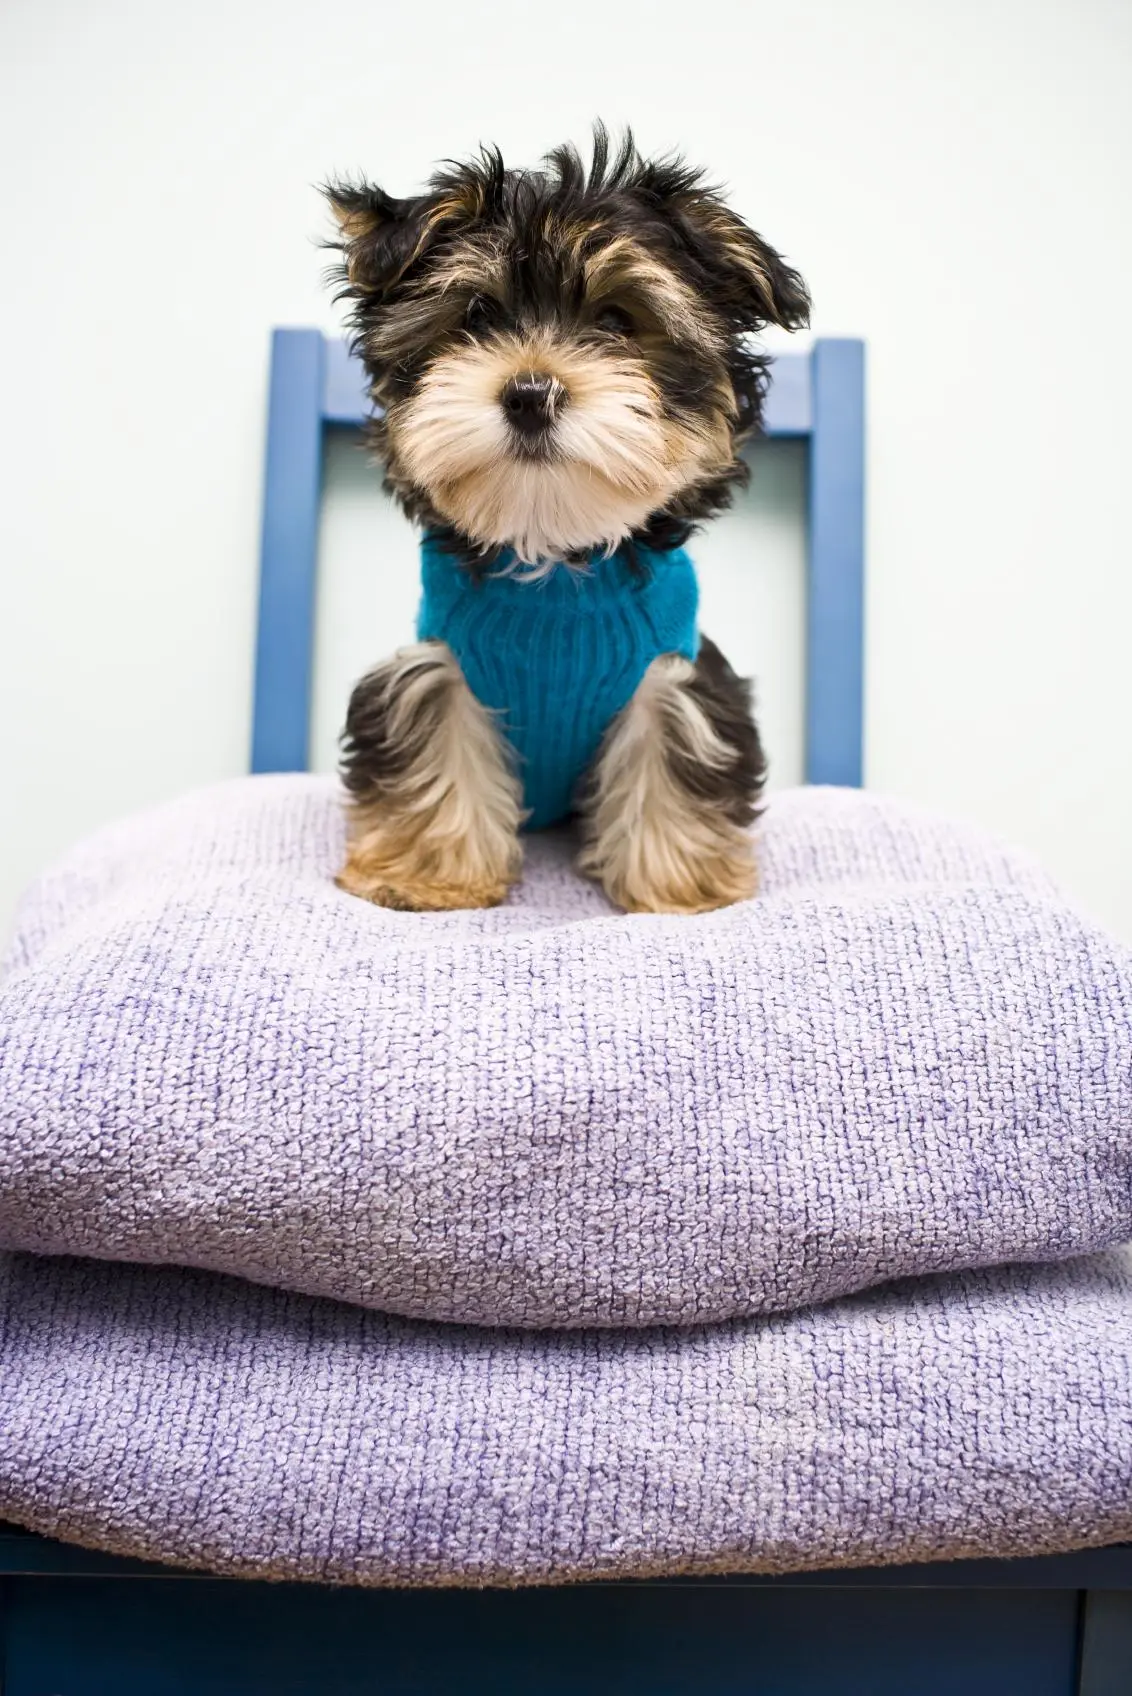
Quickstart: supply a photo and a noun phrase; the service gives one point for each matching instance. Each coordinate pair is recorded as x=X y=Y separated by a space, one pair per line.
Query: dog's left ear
x=747 y=280
x=381 y=237
x=754 y=279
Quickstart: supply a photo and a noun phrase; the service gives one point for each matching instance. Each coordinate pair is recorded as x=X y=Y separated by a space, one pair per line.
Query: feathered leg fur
x=435 y=805
x=675 y=790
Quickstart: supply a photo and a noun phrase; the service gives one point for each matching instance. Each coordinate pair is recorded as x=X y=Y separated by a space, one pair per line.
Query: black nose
x=529 y=402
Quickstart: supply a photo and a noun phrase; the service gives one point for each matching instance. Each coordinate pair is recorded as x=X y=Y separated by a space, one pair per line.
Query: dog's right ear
x=380 y=237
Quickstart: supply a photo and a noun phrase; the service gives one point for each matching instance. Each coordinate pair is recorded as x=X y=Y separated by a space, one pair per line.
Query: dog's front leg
x=674 y=791
x=435 y=805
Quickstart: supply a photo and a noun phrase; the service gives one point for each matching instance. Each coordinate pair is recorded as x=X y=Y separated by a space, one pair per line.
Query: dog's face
x=561 y=354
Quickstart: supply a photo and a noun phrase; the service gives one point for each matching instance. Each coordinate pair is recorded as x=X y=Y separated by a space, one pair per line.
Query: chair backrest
x=818 y=396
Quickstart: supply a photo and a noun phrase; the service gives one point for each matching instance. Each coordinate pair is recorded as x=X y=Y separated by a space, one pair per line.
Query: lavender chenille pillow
x=908 y=1055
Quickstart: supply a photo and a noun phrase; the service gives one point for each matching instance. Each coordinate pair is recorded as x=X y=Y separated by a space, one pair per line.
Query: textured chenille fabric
x=558 y=656
x=907 y=1055
x=198 y=1419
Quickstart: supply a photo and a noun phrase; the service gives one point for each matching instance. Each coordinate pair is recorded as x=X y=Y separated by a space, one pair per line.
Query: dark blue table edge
x=26 y=1554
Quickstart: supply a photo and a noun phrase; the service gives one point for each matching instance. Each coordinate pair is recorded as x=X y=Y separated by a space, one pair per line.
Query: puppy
x=562 y=381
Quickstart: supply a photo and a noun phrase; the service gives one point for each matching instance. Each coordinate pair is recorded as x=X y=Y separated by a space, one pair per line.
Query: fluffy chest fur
x=556 y=658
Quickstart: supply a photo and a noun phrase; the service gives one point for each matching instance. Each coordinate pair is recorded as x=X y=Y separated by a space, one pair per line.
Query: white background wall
x=951 y=176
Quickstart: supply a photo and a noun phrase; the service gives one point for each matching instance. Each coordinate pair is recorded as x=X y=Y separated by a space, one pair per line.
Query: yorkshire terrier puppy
x=562 y=381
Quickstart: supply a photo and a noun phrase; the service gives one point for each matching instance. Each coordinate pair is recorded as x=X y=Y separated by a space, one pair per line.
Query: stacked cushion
x=658 y=1175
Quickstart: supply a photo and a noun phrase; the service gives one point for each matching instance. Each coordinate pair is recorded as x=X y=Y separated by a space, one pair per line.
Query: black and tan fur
x=631 y=289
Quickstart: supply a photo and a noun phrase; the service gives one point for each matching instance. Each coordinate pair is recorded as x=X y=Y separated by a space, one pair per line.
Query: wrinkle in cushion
x=908 y=1055
x=196 y=1419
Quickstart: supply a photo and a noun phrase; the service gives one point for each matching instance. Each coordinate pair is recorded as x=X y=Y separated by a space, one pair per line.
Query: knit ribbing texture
x=559 y=656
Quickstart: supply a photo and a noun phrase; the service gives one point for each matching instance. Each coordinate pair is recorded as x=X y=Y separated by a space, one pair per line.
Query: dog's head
x=561 y=355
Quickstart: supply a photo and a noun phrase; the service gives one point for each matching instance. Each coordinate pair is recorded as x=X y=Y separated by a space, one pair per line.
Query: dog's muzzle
x=531 y=402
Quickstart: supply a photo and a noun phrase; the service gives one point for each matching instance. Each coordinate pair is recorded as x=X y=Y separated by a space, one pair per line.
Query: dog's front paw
x=417 y=894
x=652 y=866
x=673 y=883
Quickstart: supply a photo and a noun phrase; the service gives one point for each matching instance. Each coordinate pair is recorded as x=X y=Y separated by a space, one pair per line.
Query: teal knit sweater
x=558 y=657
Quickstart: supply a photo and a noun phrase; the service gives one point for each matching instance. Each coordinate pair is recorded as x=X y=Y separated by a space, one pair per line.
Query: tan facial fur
x=614 y=457
x=621 y=265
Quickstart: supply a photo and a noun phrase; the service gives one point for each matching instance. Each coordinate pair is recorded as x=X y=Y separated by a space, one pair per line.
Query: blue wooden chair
x=73 y=1623
x=817 y=396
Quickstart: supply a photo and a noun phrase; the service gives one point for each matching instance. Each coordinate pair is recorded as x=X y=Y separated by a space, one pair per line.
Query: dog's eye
x=481 y=315
x=614 y=321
